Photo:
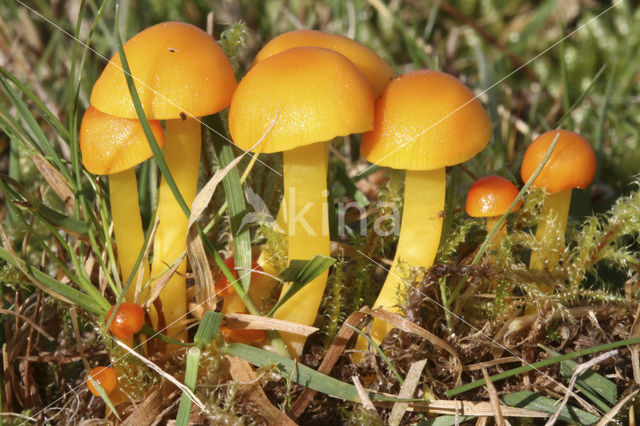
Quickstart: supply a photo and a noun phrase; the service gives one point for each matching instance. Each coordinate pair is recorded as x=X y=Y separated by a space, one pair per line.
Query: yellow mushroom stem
x=551 y=228
x=182 y=154
x=422 y=215
x=500 y=234
x=127 y=227
x=497 y=239
x=305 y=195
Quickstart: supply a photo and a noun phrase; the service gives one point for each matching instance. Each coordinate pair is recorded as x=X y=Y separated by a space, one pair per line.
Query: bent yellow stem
x=422 y=217
x=182 y=154
x=127 y=226
x=307 y=226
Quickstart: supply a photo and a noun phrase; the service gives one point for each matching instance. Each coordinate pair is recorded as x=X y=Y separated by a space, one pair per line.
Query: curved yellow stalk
x=422 y=215
x=127 y=226
x=182 y=154
x=305 y=195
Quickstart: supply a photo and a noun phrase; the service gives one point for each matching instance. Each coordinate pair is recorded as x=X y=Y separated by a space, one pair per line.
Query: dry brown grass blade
x=364 y=397
x=153 y=405
x=252 y=392
x=406 y=391
x=405 y=325
x=635 y=349
x=161 y=282
x=55 y=179
x=464 y=408
x=524 y=322
x=608 y=418
x=574 y=377
x=492 y=363
x=329 y=360
x=493 y=398
x=263 y=323
x=205 y=286
x=28 y=321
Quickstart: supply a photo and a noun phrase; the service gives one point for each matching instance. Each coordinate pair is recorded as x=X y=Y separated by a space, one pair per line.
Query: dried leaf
x=57 y=182
x=406 y=391
x=405 y=325
x=252 y=392
x=255 y=322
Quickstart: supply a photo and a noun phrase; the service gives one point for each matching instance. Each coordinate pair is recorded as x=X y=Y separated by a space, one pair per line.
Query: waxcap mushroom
x=316 y=94
x=426 y=120
x=491 y=196
x=111 y=144
x=375 y=69
x=572 y=163
x=177 y=68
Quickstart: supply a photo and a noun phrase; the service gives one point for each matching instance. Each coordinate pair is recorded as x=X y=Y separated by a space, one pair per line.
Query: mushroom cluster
x=303 y=90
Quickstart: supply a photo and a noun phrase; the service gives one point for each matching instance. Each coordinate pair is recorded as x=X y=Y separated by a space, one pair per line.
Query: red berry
x=106 y=377
x=128 y=320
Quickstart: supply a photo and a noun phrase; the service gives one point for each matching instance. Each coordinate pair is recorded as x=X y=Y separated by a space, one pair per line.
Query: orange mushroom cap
x=377 y=72
x=312 y=94
x=243 y=335
x=425 y=120
x=106 y=377
x=112 y=144
x=177 y=69
x=572 y=163
x=491 y=196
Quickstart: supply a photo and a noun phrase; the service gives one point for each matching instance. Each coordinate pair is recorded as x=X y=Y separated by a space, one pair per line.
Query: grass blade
x=235 y=199
x=537 y=402
x=190 y=378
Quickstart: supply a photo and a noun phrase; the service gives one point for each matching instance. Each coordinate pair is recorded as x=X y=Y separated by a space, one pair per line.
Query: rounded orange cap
x=377 y=72
x=177 y=69
x=425 y=120
x=112 y=144
x=572 y=163
x=491 y=196
x=308 y=94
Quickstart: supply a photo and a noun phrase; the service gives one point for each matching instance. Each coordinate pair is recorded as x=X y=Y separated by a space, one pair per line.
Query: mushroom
x=572 y=164
x=377 y=72
x=424 y=121
x=491 y=197
x=180 y=73
x=298 y=100
x=113 y=146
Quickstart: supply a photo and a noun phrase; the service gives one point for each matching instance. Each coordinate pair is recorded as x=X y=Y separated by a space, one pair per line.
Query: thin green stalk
x=541 y=364
x=378 y=349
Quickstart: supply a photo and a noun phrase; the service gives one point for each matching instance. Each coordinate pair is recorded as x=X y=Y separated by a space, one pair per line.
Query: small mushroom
x=490 y=197
x=572 y=164
x=424 y=121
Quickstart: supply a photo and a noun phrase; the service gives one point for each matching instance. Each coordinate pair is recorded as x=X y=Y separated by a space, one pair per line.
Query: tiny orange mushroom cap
x=106 y=377
x=377 y=72
x=127 y=321
x=296 y=101
x=491 y=196
x=572 y=164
